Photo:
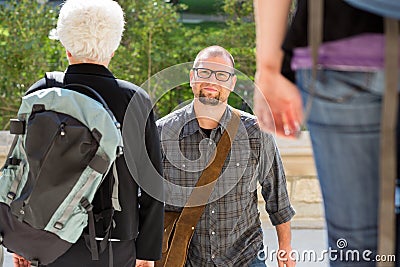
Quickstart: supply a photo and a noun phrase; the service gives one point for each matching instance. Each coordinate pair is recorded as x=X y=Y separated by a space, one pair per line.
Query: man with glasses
x=228 y=232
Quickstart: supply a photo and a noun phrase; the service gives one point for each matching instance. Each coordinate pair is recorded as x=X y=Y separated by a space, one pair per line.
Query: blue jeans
x=344 y=125
x=257 y=262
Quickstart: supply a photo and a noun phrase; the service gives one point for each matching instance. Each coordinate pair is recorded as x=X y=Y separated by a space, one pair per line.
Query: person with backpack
x=91 y=32
x=342 y=107
x=214 y=158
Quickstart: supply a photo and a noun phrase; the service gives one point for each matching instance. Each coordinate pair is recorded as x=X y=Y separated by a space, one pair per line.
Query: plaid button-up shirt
x=229 y=231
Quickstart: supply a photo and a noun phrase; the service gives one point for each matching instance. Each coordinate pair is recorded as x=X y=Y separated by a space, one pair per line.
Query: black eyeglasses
x=220 y=75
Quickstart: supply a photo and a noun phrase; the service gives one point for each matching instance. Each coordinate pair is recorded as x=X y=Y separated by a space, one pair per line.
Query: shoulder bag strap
x=388 y=145
x=196 y=203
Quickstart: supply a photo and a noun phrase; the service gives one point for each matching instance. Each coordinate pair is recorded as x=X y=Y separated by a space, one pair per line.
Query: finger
x=290 y=263
x=279 y=123
x=23 y=263
x=298 y=113
x=283 y=126
x=16 y=260
x=282 y=257
x=292 y=124
x=281 y=129
x=294 y=115
x=298 y=110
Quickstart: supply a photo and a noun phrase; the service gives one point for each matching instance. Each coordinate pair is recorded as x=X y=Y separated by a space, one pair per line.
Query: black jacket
x=142 y=212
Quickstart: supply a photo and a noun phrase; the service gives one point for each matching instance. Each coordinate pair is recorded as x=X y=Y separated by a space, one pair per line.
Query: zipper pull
x=62 y=129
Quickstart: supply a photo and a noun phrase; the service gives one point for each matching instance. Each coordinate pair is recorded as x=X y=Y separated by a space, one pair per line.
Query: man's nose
x=213 y=77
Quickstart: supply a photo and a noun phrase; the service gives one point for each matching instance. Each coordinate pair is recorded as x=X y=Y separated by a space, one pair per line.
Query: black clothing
x=125 y=258
x=141 y=217
x=207 y=132
x=341 y=20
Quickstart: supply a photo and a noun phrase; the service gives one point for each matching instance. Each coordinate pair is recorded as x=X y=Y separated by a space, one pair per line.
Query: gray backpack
x=65 y=143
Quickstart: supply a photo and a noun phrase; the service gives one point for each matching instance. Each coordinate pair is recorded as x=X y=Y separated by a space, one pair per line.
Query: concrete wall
x=5 y=142
x=303 y=187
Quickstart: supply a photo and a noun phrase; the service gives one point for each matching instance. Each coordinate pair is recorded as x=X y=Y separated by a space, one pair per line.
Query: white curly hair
x=90 y=29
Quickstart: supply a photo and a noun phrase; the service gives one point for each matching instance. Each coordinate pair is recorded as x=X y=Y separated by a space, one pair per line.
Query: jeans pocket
x=340 y=86
x=342 y=98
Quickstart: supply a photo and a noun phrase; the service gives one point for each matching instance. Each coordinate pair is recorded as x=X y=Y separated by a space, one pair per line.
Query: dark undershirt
x=207 y=132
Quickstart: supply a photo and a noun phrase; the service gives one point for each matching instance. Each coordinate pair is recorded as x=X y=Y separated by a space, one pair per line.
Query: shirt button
x=213 y=233
x=183 y=165
x=212 y=256
x=237 y=164
x=210 y=142
x=213 y=211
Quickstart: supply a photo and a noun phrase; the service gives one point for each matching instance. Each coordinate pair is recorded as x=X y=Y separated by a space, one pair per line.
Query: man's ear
x=191 y=75
x=70 y=57
x=234 y=79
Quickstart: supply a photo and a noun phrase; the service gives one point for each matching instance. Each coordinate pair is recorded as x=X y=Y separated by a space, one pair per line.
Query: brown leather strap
x=315 y=34
x=388 y=158
x=194 y=208
x=315 y=31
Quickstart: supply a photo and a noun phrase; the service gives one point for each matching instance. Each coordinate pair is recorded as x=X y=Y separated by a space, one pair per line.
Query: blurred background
x=158 y=34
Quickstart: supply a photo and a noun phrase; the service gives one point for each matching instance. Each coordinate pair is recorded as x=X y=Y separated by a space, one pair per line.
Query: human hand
x=277 y=104
x=20 y=261
x=284 y=257
x=144 y=263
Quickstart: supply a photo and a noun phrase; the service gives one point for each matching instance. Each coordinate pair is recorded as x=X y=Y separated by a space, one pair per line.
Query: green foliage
x=154 y=39
x=25 y=51
x=203 y=6
x=148 y=37
x=238 y=9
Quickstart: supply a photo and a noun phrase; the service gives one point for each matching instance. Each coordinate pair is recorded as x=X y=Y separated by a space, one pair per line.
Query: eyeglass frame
x=215 y=74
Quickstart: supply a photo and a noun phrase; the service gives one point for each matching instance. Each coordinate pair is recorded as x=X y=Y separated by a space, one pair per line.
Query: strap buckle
x=86 y=204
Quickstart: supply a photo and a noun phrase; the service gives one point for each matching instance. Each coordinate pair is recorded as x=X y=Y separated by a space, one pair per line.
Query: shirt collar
x=192 y=125
x=90 y=69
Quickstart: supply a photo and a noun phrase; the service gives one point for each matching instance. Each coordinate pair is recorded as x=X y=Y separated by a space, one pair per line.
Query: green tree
x=148 y=43
x=25 y=51
x=154 y=39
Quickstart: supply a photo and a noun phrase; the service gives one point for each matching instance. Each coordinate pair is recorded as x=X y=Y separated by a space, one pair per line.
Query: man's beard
x=212 y=101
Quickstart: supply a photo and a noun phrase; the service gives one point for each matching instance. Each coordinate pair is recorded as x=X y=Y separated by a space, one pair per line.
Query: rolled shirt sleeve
x=273 y=181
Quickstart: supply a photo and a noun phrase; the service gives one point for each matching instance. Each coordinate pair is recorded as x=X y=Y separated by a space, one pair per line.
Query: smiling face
x=212 y=80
